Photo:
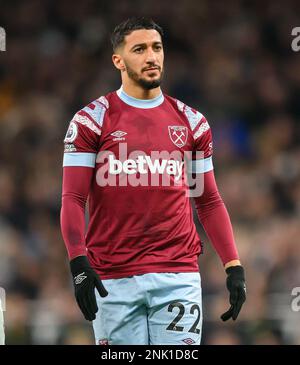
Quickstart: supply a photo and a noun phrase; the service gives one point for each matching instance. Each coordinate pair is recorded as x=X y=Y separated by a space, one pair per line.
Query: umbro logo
x=188 y=341
x=79 y=278
x=104 y=341
x=119 y=135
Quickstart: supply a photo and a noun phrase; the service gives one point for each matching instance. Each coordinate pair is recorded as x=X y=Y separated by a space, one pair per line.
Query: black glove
x=85 y=281
x=237 y=288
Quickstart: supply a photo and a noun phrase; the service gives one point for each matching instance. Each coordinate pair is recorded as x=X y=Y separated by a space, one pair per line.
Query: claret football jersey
x=140 y=216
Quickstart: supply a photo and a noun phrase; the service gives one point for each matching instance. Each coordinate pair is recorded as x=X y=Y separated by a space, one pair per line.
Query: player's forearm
x=72 y=222
x=219 y=230
x=216 y=222
x=76 y=183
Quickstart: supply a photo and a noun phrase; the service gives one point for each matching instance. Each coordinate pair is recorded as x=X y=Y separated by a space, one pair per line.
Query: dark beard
x=146 y=85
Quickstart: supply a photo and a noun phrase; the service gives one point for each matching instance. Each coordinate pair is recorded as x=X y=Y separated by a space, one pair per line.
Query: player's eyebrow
x=145 y=45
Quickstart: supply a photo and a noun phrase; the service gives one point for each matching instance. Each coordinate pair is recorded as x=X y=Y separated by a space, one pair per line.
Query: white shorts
x=2 y=336
x=150 y=309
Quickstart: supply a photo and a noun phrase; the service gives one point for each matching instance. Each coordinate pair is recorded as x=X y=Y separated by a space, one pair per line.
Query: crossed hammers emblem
x=178 y=135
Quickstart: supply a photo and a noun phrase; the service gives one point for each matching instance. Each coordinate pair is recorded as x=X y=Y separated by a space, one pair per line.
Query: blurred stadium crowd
x=232 y=61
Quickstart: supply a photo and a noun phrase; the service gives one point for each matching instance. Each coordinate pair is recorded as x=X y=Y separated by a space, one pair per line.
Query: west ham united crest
x=178 y=135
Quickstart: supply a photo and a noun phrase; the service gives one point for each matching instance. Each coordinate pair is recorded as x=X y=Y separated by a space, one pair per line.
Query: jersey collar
x=140 y=103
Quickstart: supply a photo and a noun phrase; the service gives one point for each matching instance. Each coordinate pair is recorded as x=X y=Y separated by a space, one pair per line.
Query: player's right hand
x=85 y=281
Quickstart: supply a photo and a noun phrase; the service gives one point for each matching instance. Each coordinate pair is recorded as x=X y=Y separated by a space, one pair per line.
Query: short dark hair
x=129 y=25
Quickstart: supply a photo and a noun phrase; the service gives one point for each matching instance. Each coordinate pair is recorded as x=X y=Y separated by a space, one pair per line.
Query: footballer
x=135 y=267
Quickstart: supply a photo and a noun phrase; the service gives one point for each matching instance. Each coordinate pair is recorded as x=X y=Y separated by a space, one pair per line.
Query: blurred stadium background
x=231 y=60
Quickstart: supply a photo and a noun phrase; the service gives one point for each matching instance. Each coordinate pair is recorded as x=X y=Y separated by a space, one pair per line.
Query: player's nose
x=150 y=56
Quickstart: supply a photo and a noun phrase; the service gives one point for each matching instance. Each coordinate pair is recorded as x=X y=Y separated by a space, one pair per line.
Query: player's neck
x=137 y=92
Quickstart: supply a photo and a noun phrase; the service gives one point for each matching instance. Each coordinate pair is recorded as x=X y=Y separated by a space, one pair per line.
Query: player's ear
x=118 y=62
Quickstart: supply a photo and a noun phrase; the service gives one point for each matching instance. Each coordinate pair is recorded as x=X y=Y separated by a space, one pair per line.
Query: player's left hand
x=237 y=288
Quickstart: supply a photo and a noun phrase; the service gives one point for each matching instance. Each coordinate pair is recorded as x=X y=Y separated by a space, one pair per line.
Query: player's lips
x=152 y=69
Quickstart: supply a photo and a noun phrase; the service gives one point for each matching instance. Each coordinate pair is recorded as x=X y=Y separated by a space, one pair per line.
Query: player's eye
x=138 y=50
x=158 y=48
